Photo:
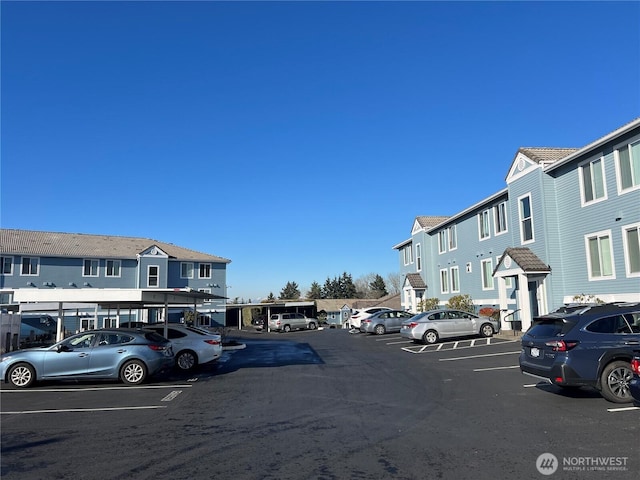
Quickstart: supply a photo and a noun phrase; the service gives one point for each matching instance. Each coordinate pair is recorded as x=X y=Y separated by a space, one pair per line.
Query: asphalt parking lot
x=324 y=405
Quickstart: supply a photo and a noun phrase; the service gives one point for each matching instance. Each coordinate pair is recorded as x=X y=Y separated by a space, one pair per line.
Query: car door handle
x=122 y=350
x=82 y=355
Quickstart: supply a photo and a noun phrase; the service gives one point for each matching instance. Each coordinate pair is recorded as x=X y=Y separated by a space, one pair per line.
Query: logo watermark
x=548 y=464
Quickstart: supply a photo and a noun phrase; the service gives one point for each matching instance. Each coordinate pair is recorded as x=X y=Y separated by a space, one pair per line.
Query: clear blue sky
x=298 y=139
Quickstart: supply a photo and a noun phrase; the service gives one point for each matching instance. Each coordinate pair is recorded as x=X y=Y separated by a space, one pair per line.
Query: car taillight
x=212 y=342
x=561 y=345
x=635 y=365
x=411 y=325
x=157 y=348
x=366 y=320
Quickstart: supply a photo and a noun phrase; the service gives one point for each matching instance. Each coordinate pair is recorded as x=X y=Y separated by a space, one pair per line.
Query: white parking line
x=622 y=409
x=398 y=343
x=384 y=339
x=94 y=389
x=494 y=368
x=74 y=410
x=477 y=356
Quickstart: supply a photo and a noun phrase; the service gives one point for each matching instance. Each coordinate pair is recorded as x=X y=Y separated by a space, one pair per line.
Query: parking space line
x=398 y=343
x=622 y=409
x=477 y=356
x=93 y=389
x=453 y=346
x=81 y=410
x=495 y=368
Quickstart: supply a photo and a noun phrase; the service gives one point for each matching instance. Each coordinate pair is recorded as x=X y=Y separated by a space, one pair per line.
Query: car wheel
x=133 y=372
x=486 y=330
x=614 y=382
x=312 y=326
x=22 y=375
x=430 y=337
x=380 y=330
x=186 y=360
x=286 y=328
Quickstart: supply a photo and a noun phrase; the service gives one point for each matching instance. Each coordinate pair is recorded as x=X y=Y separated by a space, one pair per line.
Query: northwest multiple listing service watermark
x=548 y=464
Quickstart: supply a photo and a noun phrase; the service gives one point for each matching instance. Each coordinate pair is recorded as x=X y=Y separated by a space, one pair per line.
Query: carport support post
x=60 y=324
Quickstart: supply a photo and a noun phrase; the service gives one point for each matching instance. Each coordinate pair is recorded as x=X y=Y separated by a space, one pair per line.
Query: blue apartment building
x=566 y=228
x=65 y=262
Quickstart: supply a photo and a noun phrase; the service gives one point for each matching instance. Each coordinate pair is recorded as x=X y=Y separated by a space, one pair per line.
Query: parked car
x=192 y=346
x=634 y=384
x=285 y=322
x=591 y=347
x=125 y=354
x=431 y=326
x=358 y=315
x=384 y=321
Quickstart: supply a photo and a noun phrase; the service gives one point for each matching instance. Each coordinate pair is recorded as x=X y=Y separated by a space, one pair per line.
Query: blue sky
x=298 y=139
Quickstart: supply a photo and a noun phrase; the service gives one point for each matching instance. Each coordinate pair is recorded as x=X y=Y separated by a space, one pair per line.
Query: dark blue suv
x=585 y=346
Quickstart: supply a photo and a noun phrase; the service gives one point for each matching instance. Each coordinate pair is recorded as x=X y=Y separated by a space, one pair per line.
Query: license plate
x=535 y=352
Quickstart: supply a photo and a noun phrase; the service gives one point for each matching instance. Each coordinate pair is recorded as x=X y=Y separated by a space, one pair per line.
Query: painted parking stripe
x=494 y=368
x=477 y=356
x=171 y=396
x=93 y=389
x=622 y=409
x=83 y=410
x=455 y=345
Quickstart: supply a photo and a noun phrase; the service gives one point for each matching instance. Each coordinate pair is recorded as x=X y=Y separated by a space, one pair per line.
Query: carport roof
x=113 y=297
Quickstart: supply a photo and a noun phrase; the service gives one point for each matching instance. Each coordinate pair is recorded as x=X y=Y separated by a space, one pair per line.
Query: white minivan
x=285 y=322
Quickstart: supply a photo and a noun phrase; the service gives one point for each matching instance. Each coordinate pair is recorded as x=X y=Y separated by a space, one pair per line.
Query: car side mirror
x=63 y=348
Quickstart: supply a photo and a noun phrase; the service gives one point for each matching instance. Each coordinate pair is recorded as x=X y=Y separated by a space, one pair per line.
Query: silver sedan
x=429 y=327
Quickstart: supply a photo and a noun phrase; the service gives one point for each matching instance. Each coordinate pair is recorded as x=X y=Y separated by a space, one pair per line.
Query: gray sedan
x=429 y=327
x=386 y=321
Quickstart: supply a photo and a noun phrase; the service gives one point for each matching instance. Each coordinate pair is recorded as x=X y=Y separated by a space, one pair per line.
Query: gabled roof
x=546 y=154
x=528 y=261
x=80 y=245
x=332 y=304
x=430 y=221
x=415 y=280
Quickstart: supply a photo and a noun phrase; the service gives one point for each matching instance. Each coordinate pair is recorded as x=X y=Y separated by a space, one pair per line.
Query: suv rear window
x=550 y=327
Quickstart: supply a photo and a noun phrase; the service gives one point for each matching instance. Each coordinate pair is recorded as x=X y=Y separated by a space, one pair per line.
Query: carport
x=117 y=299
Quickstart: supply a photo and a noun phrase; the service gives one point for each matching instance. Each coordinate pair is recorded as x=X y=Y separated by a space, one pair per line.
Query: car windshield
x=549 y=327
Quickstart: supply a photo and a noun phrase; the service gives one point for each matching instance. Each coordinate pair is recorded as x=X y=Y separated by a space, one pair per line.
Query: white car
x=192 y=346
x=358 y=315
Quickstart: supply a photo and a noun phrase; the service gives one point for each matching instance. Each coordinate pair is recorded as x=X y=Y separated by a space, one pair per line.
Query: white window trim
x=10 y=274
x=418 y=257
x=106 y=268
x=533 y=232
x=481 y=216
x=30 y=274
x=149 y=267
x=583 y=201
x=455 y=269
x=192 y=269
x=452 y=233
x=97 y=269
x=206 y=290
x=482 y=270
x=600 y=234
x=442 y=241
x=444 y=280
x=210 y=270
x=616 y=156
x=496 y=222
x=627 y=263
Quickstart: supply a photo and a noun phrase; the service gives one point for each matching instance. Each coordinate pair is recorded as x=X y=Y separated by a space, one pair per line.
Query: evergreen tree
x=271 y=298
x=290 y=291
x=347 y=287
x=315 y=292
x=378 y=287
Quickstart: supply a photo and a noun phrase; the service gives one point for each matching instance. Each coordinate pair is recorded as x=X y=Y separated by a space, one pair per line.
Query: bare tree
x=394 y=282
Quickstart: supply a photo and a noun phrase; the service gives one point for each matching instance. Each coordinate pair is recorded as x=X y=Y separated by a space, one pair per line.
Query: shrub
x=461 y=302
x=428 y=304
x=490 y=312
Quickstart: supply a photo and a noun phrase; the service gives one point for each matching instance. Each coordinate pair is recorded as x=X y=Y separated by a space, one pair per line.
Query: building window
x=442 y=241
x=418 y=257
x=205 y=270
x=483 y=224
x=500 y=217
x=206 y=290
x=408 y=255
x=30 y=266
x=526 y=219
x=600 y=256
x=112 y=268
x=628 y=167
x=90 y=268
x=592 y=181
x=455 y=279
x=7 y=265
x=487 y=274
x=453 y=237
x=631 y=241
x=186 y=270
x=153 y=276
x=444 y=281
